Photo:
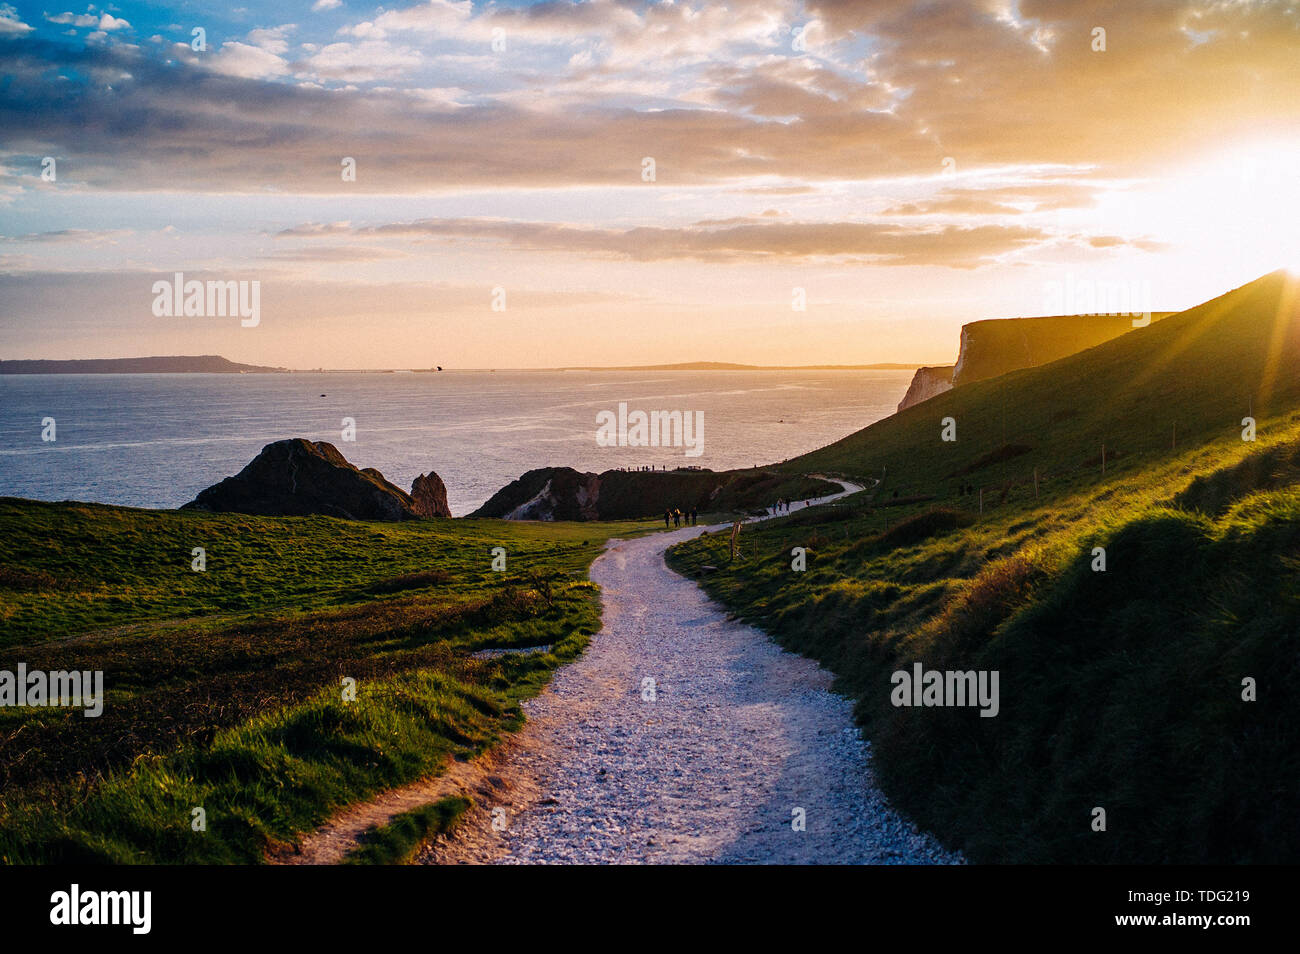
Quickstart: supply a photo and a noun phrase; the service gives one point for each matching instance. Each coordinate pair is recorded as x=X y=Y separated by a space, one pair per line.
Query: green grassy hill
x=1189 y=378
x=224 y=688
x=1120 y=689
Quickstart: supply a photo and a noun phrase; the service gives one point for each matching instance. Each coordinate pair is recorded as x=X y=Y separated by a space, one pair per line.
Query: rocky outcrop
x=298 y=478
x=547 y=493
x=429 y=496
x=562 y=493
x=926 y=383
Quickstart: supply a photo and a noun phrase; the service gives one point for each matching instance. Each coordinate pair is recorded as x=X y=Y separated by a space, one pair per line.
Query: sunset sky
x=912 y=166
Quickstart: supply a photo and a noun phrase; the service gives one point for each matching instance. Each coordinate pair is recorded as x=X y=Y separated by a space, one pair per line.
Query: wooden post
x=735 y=533
x=1174 y=445
x=1035 y=483
x=1103 y=459
x=981 y=501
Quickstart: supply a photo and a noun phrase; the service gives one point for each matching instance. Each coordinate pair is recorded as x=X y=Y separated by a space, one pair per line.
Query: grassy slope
x=1119 y=689
x=223 y=687
x=398 y=842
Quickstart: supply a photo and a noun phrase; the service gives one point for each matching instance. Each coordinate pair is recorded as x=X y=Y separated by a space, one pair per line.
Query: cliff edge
x=926 y=383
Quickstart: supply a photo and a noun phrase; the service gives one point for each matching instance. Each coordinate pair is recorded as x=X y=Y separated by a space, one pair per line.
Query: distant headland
x=726 y=366
x=215 y=364
x=176 y=364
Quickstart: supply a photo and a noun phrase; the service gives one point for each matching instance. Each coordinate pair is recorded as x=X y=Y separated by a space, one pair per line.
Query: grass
x=69 y=568
x=1120 y=689
x=224 y=689
x=398 y=842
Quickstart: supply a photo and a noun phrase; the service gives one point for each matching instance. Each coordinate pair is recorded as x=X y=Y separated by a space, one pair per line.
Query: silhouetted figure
x=668 y=518
x=693 y=516
x=677 y=518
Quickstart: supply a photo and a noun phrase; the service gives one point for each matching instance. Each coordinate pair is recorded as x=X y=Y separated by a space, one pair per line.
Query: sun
x=1235 y=210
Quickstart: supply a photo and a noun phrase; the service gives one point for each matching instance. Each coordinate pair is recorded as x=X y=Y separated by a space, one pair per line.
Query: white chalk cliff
x=927 y=383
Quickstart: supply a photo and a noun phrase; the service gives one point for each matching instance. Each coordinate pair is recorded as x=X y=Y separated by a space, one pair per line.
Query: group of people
x=677 y=517
x=655 y=467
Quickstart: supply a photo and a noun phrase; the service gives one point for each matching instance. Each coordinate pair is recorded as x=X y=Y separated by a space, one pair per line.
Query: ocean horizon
x=156 y=440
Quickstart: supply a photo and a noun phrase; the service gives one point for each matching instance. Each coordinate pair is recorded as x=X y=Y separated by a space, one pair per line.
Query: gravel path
x=737 y=737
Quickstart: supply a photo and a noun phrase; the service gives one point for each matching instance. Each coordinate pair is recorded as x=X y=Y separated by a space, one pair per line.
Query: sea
x=156 y=440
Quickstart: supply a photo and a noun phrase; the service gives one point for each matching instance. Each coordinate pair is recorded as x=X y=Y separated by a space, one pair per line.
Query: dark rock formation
x=548 y=493
x=562 y=493
x=294 y=478
x=429 y=496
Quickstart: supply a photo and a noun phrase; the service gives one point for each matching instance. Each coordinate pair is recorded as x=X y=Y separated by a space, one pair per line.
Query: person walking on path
x=668 y=519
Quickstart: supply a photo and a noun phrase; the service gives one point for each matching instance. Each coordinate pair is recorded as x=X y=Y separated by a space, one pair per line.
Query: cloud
x=10 y=23
x=1005 y=83
x=105 y=22
x=364 y=62
x=955 y=206
x=250 y=62
x=1001 y=200
x=890 y=90
x=172 y=127
x=272 y=39
x=71 y=236
x=778 y=190
x=758 y=239
x=261 y=57
x=320 y=5
x=334 y=253
x=435 y=16
x=74 y=19
x=315 y=230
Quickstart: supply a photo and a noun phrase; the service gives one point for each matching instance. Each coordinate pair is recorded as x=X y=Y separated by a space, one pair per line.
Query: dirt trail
x=714 y=760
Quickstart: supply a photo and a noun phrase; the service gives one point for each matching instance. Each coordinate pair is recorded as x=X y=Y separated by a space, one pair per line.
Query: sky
x=611 y=183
